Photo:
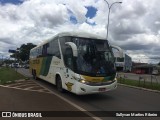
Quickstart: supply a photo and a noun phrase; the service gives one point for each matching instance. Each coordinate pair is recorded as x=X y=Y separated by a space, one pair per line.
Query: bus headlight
x=77 y=78
x=97 y=83
x=115 y=78
x=80 y=80
x=84 y=82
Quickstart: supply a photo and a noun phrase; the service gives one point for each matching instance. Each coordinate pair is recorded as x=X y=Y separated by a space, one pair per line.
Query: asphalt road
x=121 y=99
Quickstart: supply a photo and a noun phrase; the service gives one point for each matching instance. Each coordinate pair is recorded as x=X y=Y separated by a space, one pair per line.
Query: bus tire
x=34 y=75
x=59 y=84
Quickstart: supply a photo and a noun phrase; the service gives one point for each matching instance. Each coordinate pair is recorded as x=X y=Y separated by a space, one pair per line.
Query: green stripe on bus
x=45 y=65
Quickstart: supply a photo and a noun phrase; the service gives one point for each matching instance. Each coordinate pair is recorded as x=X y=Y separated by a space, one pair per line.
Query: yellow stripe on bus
x=93 y=79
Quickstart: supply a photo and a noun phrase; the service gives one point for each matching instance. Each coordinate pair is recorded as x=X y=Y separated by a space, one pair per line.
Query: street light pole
x=109 y=9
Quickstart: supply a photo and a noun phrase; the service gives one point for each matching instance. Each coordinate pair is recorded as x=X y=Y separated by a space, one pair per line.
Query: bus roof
x=73 y=34
x=80 y=34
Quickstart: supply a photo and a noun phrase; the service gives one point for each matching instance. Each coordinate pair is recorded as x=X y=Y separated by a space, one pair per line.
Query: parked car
x=140 y=72
x=15 y=65
x=26 y=66
x=155 y=72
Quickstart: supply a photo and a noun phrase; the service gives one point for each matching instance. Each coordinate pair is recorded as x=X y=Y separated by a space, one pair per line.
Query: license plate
x=102 y=89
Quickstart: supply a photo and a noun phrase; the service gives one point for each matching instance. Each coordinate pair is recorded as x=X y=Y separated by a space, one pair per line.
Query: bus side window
x=53 y=49
x=68 y=58
x=44 y=50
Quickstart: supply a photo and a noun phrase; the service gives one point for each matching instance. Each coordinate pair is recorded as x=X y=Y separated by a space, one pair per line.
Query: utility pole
x=109 y=9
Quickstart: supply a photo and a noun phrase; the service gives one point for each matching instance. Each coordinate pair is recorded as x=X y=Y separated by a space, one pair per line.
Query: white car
x=155 y=72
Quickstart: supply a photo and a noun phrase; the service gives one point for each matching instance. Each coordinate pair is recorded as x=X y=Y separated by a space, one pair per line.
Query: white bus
x=79 y=62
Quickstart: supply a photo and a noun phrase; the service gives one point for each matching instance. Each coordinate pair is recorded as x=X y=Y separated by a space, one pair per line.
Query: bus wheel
x=59 y=84
x=34 y=75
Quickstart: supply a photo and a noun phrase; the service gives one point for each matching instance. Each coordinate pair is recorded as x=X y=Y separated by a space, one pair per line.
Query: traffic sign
x=12 y=51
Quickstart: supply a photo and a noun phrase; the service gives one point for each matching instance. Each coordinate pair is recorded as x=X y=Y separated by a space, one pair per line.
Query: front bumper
x=88 y=89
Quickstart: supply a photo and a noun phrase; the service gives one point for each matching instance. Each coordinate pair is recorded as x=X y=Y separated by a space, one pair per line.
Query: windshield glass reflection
x=94 y=57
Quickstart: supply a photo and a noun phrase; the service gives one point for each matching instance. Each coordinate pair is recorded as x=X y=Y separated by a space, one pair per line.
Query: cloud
x=6 y=40
x=134 y=25
x=80 y=12
x=133 y=10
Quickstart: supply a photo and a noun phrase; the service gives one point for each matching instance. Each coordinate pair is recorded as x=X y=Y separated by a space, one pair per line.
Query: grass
x=9 y=75
x=142 y=83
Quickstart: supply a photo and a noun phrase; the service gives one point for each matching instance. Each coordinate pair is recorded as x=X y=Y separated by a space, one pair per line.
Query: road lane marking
x=76 y=106
x=25 y=89
x=23 y=85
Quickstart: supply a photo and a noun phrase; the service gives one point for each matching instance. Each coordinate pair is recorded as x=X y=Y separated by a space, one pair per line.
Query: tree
x=159 y=63
x=22 y=53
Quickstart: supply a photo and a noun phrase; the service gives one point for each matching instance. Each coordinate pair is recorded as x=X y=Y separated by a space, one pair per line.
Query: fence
x=147 y=81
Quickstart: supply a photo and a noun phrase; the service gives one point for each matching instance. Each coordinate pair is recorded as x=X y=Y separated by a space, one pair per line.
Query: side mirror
x=119 y=49
x=74 y=48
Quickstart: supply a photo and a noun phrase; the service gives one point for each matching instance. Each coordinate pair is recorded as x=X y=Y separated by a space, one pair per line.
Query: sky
x=134 y=25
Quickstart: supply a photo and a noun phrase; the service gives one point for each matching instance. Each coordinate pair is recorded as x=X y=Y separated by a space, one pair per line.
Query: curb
x=140 y=88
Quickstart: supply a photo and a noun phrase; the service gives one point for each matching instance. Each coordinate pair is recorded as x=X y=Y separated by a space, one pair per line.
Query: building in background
x=145 y=68
x=123 y=64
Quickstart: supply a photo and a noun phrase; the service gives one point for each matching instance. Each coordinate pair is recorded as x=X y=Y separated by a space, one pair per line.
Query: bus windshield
x=94 y=58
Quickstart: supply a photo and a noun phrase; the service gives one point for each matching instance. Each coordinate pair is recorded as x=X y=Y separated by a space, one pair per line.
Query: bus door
x=68 y=70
